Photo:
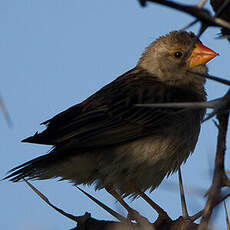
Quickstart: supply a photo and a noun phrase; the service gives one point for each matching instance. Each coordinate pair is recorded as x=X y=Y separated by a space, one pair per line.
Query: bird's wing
x=110 y=116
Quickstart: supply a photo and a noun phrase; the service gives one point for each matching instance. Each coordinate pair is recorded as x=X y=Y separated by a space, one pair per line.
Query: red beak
x=200 y=55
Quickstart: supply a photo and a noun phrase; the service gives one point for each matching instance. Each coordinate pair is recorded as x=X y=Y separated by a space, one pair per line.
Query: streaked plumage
x=109 y=141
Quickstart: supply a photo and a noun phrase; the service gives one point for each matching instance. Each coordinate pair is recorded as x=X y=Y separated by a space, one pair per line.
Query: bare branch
x=218 y=172
x=223 y=106
x=199 y=13
x=200 y=213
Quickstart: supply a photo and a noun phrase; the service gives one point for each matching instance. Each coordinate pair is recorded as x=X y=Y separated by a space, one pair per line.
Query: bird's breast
x=167 y=148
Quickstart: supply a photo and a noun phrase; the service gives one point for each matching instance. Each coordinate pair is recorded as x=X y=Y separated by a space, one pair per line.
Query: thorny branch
x=219 y=172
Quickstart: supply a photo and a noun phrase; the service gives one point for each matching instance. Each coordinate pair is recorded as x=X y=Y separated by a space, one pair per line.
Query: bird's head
x=172 y=57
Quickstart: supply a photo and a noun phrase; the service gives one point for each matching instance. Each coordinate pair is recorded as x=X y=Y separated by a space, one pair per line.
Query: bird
x=110 y=142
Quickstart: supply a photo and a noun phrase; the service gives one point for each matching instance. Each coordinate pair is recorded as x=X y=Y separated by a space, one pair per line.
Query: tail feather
x=39 y=138
x=31 y=169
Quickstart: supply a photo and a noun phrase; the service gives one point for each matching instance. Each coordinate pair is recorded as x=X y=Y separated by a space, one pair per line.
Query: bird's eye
x=178 y=54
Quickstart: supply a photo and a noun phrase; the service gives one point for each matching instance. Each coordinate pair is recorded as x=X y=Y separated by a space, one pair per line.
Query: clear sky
x=54 y=54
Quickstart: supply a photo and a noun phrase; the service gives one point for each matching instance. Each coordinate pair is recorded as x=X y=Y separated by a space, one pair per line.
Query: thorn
x=182 y=196
x=226 y=216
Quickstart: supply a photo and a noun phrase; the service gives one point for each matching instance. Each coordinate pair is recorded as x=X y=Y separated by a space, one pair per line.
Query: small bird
x=108 y=141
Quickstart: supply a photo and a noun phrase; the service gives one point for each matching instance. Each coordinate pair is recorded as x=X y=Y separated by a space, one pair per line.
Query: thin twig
x=201 y=3
x=43 y=197
x=186 y=105
x=5 y=112
x=162 y=215
x=191 y=24
x=223 y=106
x=222 y=7
x=226 y=216
x=201 y=14
x=211 y=77
x=182 y=196
x=106 y=208
x=200 y=213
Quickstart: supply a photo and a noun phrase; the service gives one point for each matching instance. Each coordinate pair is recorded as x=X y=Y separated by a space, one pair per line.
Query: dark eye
x=178 y=54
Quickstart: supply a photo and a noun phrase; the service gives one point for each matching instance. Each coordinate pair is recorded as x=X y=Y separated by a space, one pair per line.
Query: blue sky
x=54 y=54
